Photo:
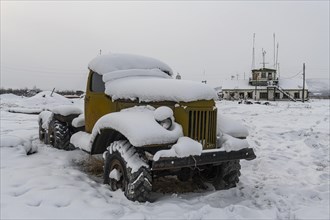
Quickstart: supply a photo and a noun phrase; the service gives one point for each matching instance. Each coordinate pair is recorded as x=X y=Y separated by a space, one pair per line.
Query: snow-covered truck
x=147 y=125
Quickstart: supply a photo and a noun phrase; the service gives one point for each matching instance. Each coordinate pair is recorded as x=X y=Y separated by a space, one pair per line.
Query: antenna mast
x=263 y=57
x=253 y=60
x=274 y=49
x=204 y=81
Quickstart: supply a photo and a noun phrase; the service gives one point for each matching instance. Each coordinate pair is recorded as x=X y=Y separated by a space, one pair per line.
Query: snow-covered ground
x=289 y=179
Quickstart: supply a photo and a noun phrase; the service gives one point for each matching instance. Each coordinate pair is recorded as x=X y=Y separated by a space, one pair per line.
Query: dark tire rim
x=118 y=184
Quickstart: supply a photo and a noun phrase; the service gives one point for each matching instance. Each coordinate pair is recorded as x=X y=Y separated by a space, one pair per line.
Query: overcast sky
x=49 y=44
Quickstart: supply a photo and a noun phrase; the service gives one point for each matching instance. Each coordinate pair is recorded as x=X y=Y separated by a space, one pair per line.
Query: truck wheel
x=229 y=175
x=41 y=131
x=136 y=186
x=59 y=135
x=224 y=176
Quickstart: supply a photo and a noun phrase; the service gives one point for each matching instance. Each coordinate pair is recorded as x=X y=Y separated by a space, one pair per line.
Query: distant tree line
x=31 y=92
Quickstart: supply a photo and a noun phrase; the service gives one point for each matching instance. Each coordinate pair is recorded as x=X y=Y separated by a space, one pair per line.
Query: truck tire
x=59 y=135
x=137 y=186
x=228 y=176
x=41 y=131
x=224 y=176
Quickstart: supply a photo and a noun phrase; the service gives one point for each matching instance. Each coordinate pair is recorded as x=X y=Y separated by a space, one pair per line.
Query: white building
x=264 y=85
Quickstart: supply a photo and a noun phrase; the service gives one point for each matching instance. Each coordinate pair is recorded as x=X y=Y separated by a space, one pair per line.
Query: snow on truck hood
x=152 y=89
x=138 y=124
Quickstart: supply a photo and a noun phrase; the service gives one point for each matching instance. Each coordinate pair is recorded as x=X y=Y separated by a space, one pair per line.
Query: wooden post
x=303 y=92
x=255 y=93
x=51 y=95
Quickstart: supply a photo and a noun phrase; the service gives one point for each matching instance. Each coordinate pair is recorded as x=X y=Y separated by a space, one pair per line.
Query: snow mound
x=115 y=174
x=185 y=147
x=139 y=126
x=113 y=62
x=14 y=141
x=229 y=143
x=66 y=110
x=44 y=100
x=45 y=117
x=152 y=89
x=9 y=96
x=35 y=104
x=79 y=121
x=81 y=140
x=9 y=100
x=231 y=127
x=25 y=110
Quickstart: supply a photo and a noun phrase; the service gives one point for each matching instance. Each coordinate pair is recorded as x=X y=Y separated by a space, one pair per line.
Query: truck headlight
x=166 y=123
x=163 y=115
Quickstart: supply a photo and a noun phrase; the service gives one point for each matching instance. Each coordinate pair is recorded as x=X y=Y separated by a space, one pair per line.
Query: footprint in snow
x=34 y=203
x=20 y=192
x=257 y=143
x=62 y=204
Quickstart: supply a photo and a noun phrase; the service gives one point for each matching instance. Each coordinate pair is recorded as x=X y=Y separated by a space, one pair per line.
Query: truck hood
x=154 y=89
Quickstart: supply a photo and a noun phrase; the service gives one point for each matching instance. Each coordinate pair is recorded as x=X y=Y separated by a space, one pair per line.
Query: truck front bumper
x=211 y=157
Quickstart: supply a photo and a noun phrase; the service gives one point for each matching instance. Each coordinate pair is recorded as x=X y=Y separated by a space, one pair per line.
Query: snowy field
x=289 y=179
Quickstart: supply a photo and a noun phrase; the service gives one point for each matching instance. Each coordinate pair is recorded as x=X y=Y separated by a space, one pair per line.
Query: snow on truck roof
x=114 y=62
x=146 y=79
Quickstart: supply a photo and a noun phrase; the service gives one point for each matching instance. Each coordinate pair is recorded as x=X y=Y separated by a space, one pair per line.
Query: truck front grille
x=203 y=127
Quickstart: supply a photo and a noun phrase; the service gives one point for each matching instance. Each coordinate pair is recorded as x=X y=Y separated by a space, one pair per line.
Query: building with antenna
x=265 y=83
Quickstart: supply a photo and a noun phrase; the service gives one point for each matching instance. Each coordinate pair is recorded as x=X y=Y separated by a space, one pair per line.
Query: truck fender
x=104 y=139
x=66 y=113
x=137 y=125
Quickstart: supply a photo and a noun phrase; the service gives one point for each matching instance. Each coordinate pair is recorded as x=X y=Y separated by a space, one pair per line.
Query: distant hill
x=319 y=88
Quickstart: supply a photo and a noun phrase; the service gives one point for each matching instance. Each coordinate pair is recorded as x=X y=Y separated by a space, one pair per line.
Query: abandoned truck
x=147 y=125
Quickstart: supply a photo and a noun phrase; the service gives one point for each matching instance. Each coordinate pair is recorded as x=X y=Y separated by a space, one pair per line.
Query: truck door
x=97 y=103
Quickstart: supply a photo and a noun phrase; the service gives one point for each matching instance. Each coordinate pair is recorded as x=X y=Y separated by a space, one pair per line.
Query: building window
x=241 y=95
x=263 y=75
x=270 y=77
x=296 y=95
x=277 y=95
x=263 y=95
x=249 y=95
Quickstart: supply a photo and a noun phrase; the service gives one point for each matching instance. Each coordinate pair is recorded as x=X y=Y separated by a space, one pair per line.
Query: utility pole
x=276 y=60
x=253 y=60
x=303 y=92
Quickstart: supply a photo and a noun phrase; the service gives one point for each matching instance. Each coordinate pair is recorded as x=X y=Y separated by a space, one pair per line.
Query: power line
x=13 y=69
x=43 y=70
x=292 y=76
